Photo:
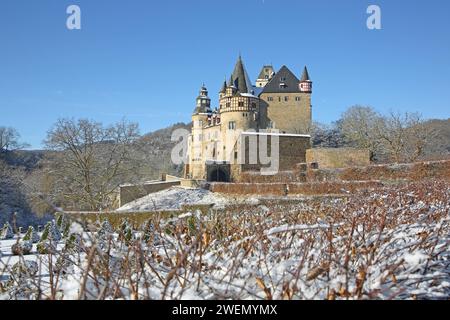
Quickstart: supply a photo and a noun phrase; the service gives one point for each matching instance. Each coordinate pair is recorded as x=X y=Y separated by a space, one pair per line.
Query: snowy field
x=392 y=243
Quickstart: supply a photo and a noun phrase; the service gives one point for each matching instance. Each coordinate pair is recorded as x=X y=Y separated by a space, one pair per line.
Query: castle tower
x=223 y=91
x=201 y=111
x=203 y=101
x=305 y=84
x=306 y=87
x=288 y=102
x=239 y=108
x=266 y=74
x=199 y=120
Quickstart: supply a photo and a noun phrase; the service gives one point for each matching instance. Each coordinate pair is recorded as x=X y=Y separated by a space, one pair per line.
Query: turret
x=265 y=76
x=203 y=102
x=305 y=84
x=231 y=87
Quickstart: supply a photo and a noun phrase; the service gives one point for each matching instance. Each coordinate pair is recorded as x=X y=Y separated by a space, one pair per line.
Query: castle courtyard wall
x=330 y=158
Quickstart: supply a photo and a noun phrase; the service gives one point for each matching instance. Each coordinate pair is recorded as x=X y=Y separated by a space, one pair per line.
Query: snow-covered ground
x=393 y=243
x=175 y=197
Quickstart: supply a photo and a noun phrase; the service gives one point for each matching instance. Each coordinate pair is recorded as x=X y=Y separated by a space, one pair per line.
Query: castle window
x=297 y=98
x=279 y=99
x=254 y=105
x=232 y=125
x=241 y=103
x=228 y=104
x=269 y=98
x=286 y=99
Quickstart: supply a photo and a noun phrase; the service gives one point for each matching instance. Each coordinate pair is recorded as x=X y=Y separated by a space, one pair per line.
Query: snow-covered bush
x=49 y=239
x=51 y=232
x=387 y=243
x=31 y=235
x=21 y=284
x=6 y=232
x=22 y=248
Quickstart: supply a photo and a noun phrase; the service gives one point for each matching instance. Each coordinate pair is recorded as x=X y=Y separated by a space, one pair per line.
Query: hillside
x=441 y=136
x=24 y=170
x=156 y=148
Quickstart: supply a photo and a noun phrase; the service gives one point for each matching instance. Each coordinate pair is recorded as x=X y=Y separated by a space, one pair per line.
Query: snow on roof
x=248 y=95
x=276 y=134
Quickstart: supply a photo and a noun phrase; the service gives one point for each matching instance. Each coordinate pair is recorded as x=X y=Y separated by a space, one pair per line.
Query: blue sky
x=145 y=60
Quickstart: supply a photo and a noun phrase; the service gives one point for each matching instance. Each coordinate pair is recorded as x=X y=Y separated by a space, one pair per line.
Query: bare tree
x=9 y=139
x=90 y=161
x=405 y=136
x=326 y=136
x=359 y=127
x=398 y=137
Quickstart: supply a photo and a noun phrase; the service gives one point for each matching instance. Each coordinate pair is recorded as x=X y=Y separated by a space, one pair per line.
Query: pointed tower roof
x=241 y=79
x=305 y=75
x=224 y=86
x=283 y=81
x=231 y=82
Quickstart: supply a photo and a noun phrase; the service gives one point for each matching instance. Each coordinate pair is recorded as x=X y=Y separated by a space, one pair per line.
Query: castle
x=277 y=106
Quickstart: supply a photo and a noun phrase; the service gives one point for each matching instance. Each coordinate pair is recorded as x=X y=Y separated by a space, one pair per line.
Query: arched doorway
x=218 y=175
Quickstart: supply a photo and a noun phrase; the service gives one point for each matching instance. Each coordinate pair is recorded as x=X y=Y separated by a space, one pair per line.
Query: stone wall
x=282 y=176
x=295 y=189
x=292 y=150
x=329 y=158
x=410 y=171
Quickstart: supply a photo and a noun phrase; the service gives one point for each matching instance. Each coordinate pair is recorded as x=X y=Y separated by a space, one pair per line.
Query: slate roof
x=240 y=78
x=263 y=73
x=305 y=75
x=224 y=87
x=284 y=81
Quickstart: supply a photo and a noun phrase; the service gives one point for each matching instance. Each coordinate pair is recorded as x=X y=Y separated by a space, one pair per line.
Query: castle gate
x=218 y=171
